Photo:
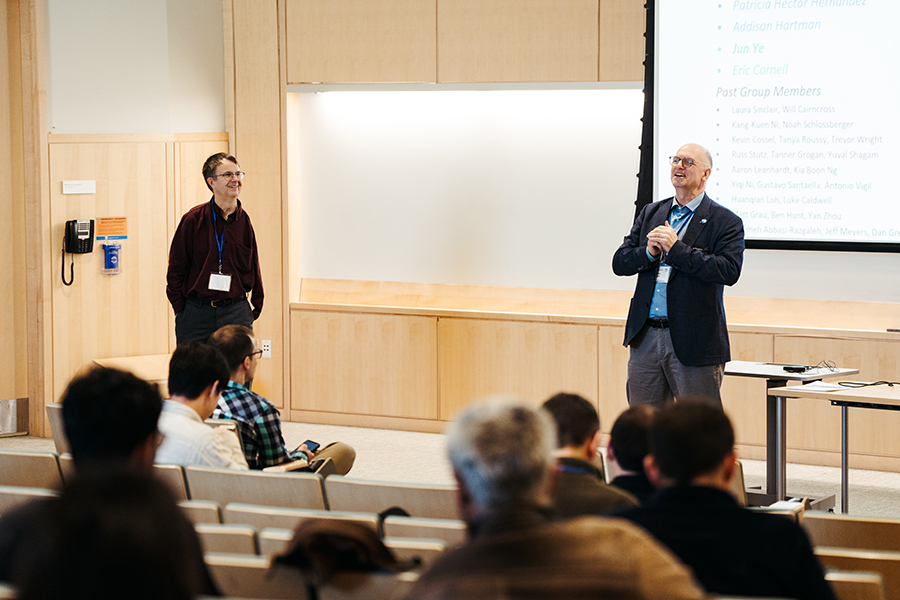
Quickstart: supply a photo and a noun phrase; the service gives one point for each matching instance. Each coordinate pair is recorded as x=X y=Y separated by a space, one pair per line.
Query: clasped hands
x=661 y=239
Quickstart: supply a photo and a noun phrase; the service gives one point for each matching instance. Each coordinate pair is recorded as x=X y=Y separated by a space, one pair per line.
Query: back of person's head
x=576 y=419
x=501 y=450
x=113 y=533
x=235 y=342
x=108 y=414
x=629 y=438
x=195 y=366
x=689 y=439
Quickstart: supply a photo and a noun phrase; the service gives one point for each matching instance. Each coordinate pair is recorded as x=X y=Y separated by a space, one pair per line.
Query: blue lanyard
x=574 y=469
x=219 y=243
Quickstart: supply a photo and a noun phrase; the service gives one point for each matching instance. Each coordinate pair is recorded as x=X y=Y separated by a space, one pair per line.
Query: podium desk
x=776 y=415
x=879 y=397
x=153 y=368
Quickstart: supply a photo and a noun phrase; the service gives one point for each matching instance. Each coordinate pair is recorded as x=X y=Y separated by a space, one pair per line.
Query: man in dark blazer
x=683 y=250
x=732 y=550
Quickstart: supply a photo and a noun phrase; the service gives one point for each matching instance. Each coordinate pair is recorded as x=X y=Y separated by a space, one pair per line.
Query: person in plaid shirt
x=259 y=422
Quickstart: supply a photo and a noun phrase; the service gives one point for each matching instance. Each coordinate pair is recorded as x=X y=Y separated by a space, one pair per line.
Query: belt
x=205 y=302
x=658 y=323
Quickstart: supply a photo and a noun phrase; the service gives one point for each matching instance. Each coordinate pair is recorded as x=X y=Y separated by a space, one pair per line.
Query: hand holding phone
x=311 y=446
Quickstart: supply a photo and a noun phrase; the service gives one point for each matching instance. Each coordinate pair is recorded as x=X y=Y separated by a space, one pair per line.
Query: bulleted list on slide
x=797 y=100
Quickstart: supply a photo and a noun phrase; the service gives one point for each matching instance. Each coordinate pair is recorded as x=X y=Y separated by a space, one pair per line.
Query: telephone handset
x=79 y=239
x=79 y=236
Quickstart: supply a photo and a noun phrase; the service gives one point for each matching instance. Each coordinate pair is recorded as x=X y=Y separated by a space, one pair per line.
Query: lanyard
x=574 y=469
x=219 y=243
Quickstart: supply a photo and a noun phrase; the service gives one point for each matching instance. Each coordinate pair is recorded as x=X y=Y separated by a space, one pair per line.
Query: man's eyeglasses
x=257 y=353
x=687 y=162
x=229 y=175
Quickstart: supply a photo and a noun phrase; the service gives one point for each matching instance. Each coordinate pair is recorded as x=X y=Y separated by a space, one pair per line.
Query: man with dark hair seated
x=197 y=375
x=628 y=444
x=580 y=488
x=732 y=550
x=501 y=453
x=110 y=419
x=258 y=419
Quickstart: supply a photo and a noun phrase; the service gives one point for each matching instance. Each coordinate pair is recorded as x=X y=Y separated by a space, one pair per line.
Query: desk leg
x=776 y=442
x=845 y=460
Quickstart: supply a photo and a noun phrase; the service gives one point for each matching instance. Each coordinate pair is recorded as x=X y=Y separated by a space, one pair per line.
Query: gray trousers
x=198 y=321
x=656 y=376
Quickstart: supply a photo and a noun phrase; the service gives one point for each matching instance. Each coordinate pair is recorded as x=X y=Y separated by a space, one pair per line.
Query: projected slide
x=798 y=102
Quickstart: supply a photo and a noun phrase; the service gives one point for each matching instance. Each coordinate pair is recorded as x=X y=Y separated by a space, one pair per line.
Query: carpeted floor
x=421 y=458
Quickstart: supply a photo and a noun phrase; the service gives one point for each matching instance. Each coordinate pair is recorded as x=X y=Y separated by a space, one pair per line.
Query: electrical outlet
x=266 y=347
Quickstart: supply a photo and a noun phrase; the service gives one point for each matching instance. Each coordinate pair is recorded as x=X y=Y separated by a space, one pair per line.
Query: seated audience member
x=110 y=420
x=258 y=420
x=732 y=550
x=501 y=454
x=197 y=374
x=112 y=533
x=626 y=451
x=580 y=489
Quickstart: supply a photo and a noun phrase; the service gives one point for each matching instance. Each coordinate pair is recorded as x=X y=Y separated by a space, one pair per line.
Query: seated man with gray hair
x=502 y=457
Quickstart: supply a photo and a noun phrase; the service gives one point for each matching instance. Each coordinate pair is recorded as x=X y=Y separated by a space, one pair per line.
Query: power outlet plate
x=266 y=347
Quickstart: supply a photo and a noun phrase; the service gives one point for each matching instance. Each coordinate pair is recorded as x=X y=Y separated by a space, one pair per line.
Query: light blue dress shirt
x=679 y=217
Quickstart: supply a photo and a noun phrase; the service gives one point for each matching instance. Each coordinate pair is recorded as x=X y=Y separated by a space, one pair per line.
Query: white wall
x=135 y=66
x=517 y=188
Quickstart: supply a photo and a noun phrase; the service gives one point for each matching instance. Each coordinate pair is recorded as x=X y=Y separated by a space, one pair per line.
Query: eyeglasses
x=257 y=353
x=687 y=162
x=229 y=175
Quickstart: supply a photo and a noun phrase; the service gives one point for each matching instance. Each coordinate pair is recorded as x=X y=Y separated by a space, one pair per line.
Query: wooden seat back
x=856 y=585
x=290 y=490
x=232 y=539
x=886 y=564
x=172 y=476
x=57 y=429
x=11 y=497
x=451 y=531
x=202 y=511
x=423 y=549
x=263 y=517
x=844 y=531
x=30 y=468
x=419 y=500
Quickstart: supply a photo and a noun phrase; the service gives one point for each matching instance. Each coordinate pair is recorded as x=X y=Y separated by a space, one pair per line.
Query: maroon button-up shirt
x=194 y=255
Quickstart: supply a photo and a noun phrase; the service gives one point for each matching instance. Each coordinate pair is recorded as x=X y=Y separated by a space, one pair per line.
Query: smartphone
x=311 y=445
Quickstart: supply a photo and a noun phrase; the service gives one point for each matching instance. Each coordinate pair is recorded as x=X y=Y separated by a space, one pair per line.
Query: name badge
x=220 y=282
x=664 y=272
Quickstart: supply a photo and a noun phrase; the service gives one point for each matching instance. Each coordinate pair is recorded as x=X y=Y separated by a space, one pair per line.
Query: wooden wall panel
x=613 y=373
x=744 y=398
x=257 y=142
x=102 y=316
x=13 y=355
x=360 y=41
x=362 y=364
x=622 y=24
x=814 y=424
x=527 y=359
x=517 y=40
x=188 y=188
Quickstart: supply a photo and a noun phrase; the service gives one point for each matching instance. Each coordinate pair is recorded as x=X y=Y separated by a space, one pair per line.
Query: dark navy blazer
x=706 y=259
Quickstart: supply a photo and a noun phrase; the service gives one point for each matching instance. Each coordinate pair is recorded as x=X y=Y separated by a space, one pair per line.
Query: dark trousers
x=199 y=320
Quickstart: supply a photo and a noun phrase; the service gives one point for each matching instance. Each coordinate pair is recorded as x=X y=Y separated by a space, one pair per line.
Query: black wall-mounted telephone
x=79 y=239
x=79 y=236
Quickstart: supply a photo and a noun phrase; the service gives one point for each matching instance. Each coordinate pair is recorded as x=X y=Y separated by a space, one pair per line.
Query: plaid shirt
x=259 y=423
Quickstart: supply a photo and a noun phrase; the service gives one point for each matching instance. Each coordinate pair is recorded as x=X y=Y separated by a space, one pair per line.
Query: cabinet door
x=361 y=41
x=622 y=24
x=517 y=40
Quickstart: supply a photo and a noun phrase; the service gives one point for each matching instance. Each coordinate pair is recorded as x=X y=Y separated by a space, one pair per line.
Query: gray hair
x=502 y=450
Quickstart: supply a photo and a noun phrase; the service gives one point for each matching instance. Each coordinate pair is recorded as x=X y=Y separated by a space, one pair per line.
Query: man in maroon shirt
x=214 y=261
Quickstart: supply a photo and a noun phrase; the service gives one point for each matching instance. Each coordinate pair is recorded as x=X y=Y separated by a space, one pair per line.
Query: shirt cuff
x=651 y=257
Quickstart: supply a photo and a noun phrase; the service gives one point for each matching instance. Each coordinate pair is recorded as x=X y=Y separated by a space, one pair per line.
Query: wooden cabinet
x=517 y=40
x=361 y=41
